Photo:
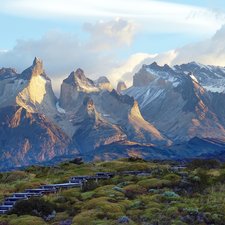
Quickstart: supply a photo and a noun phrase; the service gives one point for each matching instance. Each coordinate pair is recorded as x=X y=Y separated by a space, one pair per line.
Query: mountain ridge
x=164 y=106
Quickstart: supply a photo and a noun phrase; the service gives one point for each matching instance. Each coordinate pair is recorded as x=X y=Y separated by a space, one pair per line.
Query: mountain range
x=165 y=106
x=179 y=101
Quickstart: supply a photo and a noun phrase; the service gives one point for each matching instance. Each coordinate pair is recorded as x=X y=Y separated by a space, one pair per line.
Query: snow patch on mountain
x=193 y=78
x=215 y=89
x=87 y=86
x=165 y=73
x=61 y=110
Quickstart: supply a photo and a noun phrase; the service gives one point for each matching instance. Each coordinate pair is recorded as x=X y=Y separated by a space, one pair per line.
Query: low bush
x=32 y=206
x=131 y=191
x=90 y=186
x=153 y=183
x=77 y=161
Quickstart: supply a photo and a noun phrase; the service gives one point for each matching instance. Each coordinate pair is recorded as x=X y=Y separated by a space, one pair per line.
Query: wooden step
x=77 y=181
x=5 y=207
x=48 y=186
x=41 y=190
x=14 y=199
x=27 y=195
x=68 y=185
x=3 y=211
x=8 y=203
x=79 y=177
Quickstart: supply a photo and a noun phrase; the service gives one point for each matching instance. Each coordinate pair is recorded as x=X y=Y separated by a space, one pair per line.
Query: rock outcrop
x=72 y=87
x=92 y=130
x=31 y=89
x=177 y=104
x=121 y=86
x=117 y=111
x=27 y=138
x=103 y=84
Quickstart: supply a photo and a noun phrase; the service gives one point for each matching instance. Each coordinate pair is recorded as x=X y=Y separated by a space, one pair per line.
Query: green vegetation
x=193 y=195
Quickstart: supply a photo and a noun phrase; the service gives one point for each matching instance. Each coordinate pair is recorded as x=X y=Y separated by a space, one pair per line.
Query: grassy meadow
x=193 y=195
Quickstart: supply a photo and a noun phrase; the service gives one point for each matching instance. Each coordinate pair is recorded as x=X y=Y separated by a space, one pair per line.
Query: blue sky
x=110 y=38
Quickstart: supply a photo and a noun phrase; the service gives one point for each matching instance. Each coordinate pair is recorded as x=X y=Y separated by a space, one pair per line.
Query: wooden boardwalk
x=74 y=182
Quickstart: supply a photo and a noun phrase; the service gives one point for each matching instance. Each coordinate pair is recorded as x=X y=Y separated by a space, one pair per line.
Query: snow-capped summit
x=177 y=100
x=210 y=77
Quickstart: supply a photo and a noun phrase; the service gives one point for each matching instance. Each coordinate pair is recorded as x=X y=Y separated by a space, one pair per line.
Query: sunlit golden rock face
x=98 y=109
x=27 y=138
x=92 y=130
x=31 y=89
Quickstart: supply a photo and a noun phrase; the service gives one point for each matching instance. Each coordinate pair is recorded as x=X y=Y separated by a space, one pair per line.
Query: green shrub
x=153 y=191
x=90 y=186
x=174 y=178
x=135 y=159
x=27 y=220
x=131 y=191
x=118 y=189
x=153 y=183
x=77 y=161
x=27 y=185
x=16 y=175
x=135 y=205
x=170 y=194
x=27 y=207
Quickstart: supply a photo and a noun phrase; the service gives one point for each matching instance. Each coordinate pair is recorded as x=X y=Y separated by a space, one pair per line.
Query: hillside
x=158 y=195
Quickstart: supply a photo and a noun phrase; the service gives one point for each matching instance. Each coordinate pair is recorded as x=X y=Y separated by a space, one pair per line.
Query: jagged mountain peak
x=210 y=77
x=37 y=61
x=34 y=71
x=123 y=98
x=103 y=83
x=79 y=80
x=157 y=67
x=121 y=86
x=154 y=74
x=78 y=75
x=102 y=79
x=7 y=71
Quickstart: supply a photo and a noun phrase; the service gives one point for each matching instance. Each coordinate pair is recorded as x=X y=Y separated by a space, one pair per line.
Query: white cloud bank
x=154 y=15
x=63 y=52
x=209 y=51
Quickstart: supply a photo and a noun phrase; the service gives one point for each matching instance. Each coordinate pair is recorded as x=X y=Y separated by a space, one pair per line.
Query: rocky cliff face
x=118 y=111
x=31 y=89
x=123 y=110
x=27 y=138
x=92 y=130
x=163 y=105
x=177 y=104
x=212 y=78
x=73 y=86
x=121 y=86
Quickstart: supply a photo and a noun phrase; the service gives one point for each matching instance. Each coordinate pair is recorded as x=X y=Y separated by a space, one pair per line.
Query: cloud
x=209 y=52
x=63 y=52
x=156 y=16
x=111 y=35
